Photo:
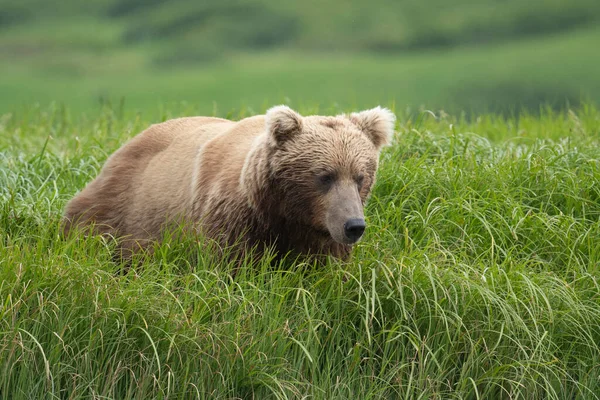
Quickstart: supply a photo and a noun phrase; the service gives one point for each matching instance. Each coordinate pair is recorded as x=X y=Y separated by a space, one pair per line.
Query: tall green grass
x=477 y=277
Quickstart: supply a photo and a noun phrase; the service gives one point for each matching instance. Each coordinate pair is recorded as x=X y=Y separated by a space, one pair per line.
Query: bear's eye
x=326 y=179
x=359 y=181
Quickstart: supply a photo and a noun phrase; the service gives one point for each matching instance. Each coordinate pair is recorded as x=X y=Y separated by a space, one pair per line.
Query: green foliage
x=481 y=56
x=380 y=25
x=499 y=78
x=477 y=277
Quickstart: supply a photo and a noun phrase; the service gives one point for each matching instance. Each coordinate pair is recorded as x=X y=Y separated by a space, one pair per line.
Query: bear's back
x=112 y=200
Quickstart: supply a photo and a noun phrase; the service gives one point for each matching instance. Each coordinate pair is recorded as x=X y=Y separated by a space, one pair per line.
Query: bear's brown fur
x=279 y=180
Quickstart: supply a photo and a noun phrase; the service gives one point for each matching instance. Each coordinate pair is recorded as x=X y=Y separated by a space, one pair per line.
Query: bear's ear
x=283 y=123
x=377 y=123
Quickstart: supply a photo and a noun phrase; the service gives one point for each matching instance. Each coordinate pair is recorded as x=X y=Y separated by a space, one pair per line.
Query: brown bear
x=298 y=184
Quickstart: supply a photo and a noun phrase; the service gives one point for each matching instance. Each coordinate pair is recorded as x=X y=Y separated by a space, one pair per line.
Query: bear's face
x=324 y=167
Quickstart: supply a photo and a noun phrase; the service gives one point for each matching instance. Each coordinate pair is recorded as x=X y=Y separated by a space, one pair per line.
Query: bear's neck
x=294 y=237
x=262 y=230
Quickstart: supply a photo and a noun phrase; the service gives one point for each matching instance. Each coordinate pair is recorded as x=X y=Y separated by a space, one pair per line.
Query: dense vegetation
x=209 y=27
x=462 y=55
x=477 y=277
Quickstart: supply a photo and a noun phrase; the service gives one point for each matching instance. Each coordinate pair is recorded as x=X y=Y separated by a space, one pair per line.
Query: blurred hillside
x=85 y=44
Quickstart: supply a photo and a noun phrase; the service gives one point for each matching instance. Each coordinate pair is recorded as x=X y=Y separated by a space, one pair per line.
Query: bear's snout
x=345 y=218
x=354 y=229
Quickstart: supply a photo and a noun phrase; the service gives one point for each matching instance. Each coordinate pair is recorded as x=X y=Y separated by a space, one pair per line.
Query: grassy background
x=477 y=277
x=460 y=56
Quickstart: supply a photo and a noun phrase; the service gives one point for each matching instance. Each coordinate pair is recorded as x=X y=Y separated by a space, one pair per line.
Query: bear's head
x=321 y=169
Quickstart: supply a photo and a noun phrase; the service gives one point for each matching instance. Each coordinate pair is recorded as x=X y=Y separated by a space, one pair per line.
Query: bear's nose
x=354 y=228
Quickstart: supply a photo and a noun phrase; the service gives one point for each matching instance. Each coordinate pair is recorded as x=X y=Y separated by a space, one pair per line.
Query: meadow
x=477 y=277
x=558 y=70
x=223 y=56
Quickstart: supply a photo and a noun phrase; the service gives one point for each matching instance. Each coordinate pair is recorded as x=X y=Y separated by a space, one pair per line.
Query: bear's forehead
x=330 y=143
x=332 y=122
x=336 y=134
x=318 y=121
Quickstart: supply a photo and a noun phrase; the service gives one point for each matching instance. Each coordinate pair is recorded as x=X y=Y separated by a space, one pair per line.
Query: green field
x=500 y=77
x=477 y=278
x=457 y=56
